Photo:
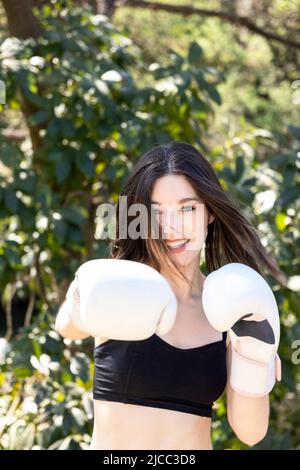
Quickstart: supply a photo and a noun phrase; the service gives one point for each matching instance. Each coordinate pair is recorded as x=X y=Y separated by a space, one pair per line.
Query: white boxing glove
x=72 y=305
x=121 y=299
x=237 y=299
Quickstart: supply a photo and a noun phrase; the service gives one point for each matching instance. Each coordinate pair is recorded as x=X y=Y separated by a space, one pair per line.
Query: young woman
x=179 y=188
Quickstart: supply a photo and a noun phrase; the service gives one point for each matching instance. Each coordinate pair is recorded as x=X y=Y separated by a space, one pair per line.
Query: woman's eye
x=188 y=208
x=157 y=211
x=184 y=209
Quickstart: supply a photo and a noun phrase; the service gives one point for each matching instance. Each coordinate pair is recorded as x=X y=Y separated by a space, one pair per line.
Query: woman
x=169 y=176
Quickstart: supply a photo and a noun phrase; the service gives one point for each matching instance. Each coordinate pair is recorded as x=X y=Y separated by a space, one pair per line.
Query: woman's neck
x=184 y=291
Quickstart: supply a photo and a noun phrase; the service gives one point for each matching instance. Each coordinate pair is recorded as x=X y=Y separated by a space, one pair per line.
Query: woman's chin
x=184 y=259
x=184 y=256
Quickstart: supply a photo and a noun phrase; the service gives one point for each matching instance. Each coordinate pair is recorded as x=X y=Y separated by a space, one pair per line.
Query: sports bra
x=152 y=372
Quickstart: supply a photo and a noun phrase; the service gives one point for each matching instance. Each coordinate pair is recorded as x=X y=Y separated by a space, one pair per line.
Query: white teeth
x=177 y=244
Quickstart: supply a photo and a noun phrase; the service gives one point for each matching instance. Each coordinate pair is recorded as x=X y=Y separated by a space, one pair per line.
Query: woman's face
x=183 y=216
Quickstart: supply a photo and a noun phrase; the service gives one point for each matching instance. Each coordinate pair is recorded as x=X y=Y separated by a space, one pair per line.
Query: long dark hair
x=230 y=237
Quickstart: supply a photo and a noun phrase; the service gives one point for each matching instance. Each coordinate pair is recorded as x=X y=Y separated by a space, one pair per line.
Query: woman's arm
x=248 y=417
x=65 y=327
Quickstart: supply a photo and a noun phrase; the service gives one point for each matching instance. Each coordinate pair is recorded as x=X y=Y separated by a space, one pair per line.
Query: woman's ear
x=211 y=218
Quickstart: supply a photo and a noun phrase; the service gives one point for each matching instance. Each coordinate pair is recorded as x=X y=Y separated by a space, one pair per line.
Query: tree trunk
x=20 y=19
x=108 y=7
x=96 y=5
x=23 y=24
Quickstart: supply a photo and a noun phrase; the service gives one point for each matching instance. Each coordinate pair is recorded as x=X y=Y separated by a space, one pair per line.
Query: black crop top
x=152 y=372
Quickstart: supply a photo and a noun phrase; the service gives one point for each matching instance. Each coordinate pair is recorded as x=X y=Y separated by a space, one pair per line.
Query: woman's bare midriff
x=128 y=426
x=122 y=426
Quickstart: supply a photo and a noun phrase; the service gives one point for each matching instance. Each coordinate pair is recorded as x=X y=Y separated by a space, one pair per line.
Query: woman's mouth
x=177 y=246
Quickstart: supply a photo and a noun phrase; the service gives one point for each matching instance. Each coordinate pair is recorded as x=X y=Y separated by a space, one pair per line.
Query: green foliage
x=96 y=105
x=262 y=173
x=259 y=73
x=90 y=120
x=46 y=399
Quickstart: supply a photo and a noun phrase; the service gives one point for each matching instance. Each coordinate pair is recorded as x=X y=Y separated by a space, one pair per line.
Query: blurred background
x=85 y=88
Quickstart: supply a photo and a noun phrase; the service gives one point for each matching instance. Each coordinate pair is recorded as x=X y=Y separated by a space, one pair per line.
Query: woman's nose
x=172 y=225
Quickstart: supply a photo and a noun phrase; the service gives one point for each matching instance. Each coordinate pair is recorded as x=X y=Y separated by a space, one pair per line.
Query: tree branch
x=238 y=20
x=39 y=279
x=8 y=312
x=29 y=309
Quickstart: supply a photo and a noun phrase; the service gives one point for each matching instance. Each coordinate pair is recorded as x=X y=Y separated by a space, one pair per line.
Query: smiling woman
x=184 y=225
x=159 y=363
x=161 y=179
